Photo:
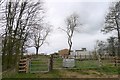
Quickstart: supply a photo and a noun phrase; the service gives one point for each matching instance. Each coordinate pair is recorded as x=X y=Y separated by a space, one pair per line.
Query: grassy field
x=83 y=69
x=65 y=73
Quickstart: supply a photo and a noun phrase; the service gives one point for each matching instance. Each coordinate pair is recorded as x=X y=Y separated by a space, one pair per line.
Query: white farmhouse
x=81 y=54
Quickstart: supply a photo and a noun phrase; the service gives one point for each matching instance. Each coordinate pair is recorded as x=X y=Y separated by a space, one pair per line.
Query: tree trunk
x=118 y=43
x=37 y=51
x=70 y=46
x=51 y=62
x=99 y=59
x=4 y=42
x=118 y=54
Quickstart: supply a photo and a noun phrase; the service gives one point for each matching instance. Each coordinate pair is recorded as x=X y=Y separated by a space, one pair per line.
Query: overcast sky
x=91 y=14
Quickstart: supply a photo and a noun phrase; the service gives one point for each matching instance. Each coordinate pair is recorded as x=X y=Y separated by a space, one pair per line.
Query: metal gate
x=39 y=64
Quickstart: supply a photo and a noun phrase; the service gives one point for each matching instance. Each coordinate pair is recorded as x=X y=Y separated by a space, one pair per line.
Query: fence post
x=30 y=66
x=80 y=57
x=51 y=62
x=75 y=56
x=90 y=57
x=27 y=66
x=85 y=57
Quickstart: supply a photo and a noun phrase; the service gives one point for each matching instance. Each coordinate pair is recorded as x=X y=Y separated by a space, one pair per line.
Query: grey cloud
x=91 y=15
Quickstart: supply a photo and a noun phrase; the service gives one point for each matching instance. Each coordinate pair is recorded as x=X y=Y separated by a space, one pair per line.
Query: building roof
x=63 y=52
x=83 y=49
x=78 y=50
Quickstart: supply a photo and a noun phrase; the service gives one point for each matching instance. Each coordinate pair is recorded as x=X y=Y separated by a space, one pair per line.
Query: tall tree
x=72 y=24
x=112 y=22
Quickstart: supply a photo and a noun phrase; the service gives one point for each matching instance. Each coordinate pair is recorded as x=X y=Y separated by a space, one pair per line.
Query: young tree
x=112 y=22
x=39 y=35
x=100 y=48
x=72 y=23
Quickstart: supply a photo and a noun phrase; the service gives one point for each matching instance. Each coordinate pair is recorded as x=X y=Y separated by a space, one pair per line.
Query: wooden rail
x=23 y=65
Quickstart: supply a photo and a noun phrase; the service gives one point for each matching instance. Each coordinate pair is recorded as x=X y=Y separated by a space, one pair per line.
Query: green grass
x=63 y=73
x=39 y=62
x=52 y=74
x=40 y=68
x=57 y=63
x=108 y=70
x=87 y=64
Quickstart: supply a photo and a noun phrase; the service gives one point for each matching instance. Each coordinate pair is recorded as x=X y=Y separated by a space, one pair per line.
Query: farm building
x=83 y=53
x=63 y=53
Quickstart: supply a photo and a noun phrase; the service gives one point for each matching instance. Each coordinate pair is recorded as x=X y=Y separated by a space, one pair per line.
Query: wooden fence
x=88 y=57
x=47 y=63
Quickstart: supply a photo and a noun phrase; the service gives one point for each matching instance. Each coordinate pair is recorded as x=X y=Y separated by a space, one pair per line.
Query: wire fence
x=84 y=62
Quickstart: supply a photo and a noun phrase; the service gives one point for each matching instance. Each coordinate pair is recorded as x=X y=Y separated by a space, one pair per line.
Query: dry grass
x=84 y=74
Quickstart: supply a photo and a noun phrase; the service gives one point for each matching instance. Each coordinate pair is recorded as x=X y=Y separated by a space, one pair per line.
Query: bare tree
x=112 y=22
x=1 y=2
x=72 y=23
x=100 y=47
x=39 y=35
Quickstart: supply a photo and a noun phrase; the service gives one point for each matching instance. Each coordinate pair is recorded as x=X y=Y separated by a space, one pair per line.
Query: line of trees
x=109 y=46
x=112 y=23
x=21 y=19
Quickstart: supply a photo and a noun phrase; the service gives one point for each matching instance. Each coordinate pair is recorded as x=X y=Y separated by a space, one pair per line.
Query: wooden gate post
x=51 y=62
x=27 y=66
